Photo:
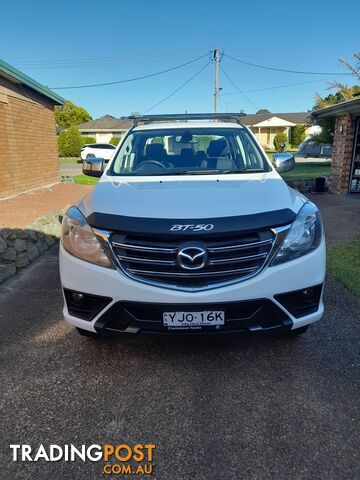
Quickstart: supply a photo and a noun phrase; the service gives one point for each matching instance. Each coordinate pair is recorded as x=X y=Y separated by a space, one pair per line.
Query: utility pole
x=216 y=93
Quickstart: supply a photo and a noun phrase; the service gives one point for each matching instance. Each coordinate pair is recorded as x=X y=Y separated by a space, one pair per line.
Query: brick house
x=345 y=168
x=28 y=148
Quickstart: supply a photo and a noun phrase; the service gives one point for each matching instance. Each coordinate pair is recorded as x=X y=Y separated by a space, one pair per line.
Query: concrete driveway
x=249 y=408
x=70 y=169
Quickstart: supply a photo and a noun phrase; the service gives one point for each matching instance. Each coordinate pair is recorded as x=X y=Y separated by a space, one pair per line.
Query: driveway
x=341 y=214
x=251 y=408
x=70 y=169
x=21 y=210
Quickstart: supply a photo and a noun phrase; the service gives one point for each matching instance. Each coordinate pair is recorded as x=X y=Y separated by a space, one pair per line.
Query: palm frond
x=355 y=70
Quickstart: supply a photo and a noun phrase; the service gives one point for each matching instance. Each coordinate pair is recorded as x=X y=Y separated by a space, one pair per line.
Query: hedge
x=70 y=143
x=115 y=141
x=87 y=140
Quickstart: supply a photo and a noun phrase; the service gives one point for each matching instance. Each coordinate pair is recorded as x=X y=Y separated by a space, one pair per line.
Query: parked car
x=96 y=150
x=191 y=230
x=309 y=148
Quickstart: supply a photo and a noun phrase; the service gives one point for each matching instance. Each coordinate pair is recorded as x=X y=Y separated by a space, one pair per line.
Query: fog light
x=85 y=305
x=308 y=293
x=77 y=298
x=301 y=302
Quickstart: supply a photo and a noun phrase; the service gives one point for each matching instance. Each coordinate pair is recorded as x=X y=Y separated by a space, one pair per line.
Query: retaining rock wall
x=19 y=247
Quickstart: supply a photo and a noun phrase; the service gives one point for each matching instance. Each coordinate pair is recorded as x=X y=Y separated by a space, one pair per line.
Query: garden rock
x=22 y=260
x=32 y=251
x=9 y=254
x=19 y=245
x=3 y=245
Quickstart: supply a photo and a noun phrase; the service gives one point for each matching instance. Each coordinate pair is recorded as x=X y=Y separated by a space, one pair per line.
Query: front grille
x=229 y=257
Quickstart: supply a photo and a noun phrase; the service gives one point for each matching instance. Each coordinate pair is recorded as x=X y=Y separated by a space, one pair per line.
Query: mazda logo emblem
x=192 y=257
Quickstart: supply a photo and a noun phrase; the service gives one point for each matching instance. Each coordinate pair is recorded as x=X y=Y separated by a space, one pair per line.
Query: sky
x=75 y=43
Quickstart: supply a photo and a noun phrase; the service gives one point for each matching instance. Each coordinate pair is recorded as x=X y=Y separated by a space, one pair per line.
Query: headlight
x=79 y=240
x=304 y=236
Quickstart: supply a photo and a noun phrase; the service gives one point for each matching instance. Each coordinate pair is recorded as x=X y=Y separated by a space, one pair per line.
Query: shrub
x=70 y=143
x=115 y=141
x=279 y=139
x=298 y=135
x=87 y=140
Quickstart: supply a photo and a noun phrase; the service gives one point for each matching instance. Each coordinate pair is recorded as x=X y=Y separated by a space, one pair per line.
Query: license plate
x=185 y=320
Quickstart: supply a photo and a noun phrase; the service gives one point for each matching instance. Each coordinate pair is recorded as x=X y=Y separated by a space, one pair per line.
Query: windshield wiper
x=164 y=173
x=243 y=170
x=214 y=171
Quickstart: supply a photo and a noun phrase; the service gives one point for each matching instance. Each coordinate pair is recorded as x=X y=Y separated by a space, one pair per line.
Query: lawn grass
x=343 y=262
x=85 y=180
x=305 y=171
x=68 y=160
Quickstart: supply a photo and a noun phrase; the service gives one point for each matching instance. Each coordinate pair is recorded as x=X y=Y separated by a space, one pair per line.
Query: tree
x=279 y=139
x=70 y=115
x=343 y=93
x=298 y=135
x=327 y=131
x=263 y=110
x=328 y=124
x=70 y=143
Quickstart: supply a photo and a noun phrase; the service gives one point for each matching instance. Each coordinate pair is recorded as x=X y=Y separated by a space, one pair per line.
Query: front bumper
x=238 y=300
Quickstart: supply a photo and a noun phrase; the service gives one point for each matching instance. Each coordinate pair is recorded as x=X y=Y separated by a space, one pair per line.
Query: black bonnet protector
x=191 y=226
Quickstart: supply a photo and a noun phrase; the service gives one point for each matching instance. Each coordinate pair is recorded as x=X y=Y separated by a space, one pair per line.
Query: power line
x=132 y=79
x=179 y=88
x=238 y=89
x=108 y=61
x=284 y=86
x=282 y=69
x=288 y=52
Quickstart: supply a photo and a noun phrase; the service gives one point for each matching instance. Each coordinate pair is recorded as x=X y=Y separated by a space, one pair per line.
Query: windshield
x=188 y=151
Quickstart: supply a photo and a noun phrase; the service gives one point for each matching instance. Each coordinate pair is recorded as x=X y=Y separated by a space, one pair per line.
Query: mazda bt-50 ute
x=191 y=230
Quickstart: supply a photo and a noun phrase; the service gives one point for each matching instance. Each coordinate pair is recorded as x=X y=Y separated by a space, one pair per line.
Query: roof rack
x=137 y=119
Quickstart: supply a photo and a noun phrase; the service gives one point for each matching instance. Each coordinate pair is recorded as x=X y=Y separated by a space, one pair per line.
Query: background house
x=264 y=125
x=104 y=128
x=28 y=149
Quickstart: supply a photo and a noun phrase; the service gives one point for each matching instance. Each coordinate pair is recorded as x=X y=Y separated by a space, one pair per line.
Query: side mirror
x=283 y=162
x=93 y=167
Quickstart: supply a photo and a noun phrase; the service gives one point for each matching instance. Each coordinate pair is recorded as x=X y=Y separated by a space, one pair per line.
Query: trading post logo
x=121 y=459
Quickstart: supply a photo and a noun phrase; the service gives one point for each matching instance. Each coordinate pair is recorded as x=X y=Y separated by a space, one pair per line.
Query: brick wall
x=342 y=151
x=28 y=148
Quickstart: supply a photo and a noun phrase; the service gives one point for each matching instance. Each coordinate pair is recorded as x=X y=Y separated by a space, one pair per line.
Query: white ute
x=192 y=230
